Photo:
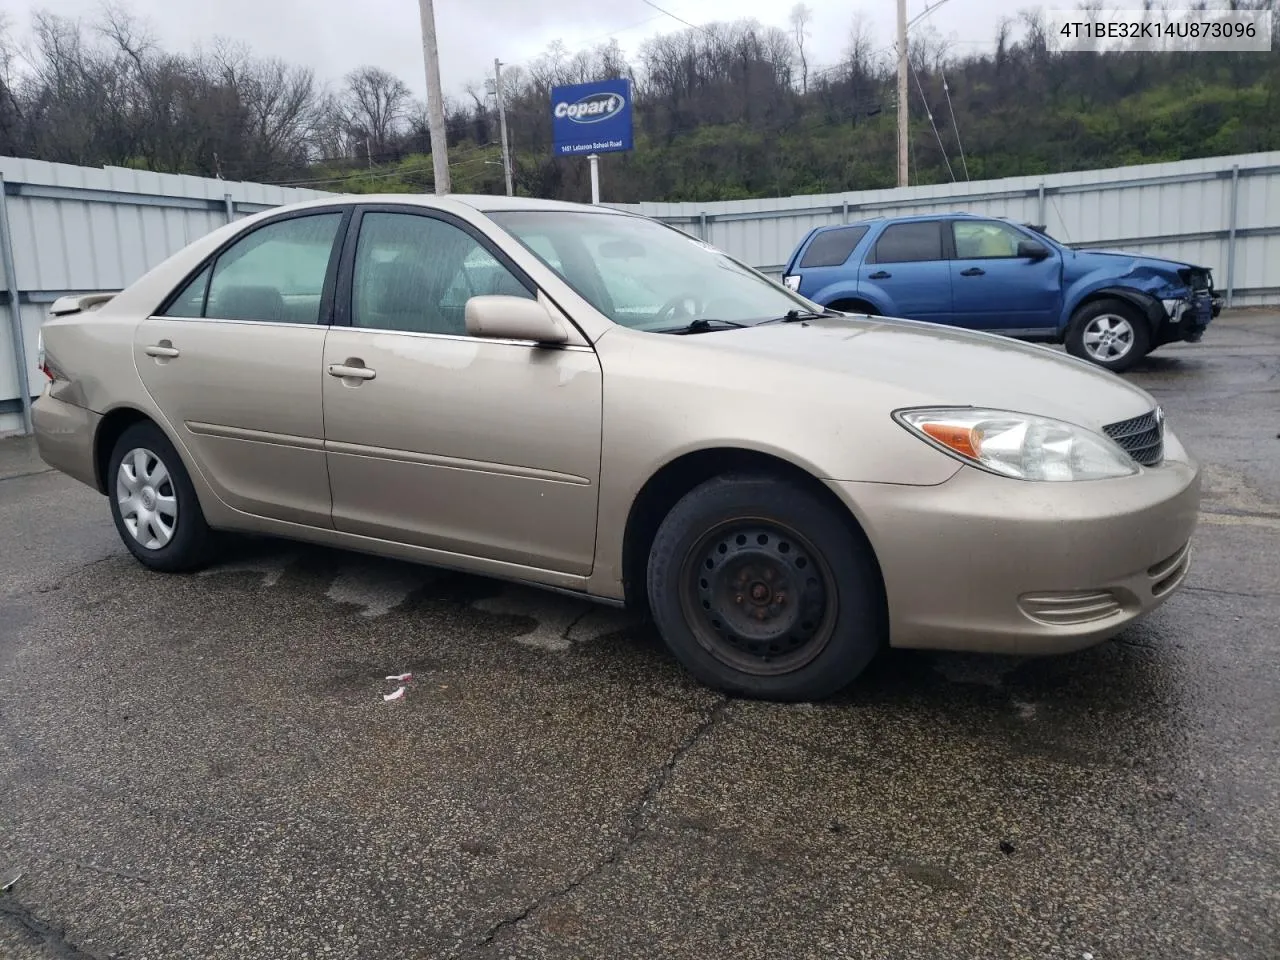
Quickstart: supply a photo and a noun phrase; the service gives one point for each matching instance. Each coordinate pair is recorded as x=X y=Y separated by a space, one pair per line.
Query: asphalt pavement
x=204 y=766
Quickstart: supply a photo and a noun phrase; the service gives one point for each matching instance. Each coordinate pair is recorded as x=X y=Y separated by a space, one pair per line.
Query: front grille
x=1142 y=437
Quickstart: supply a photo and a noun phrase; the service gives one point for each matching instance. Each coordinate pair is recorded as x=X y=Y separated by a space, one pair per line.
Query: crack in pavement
x=631 y=828
x=33 y=473
x=52 y=938
x=92 y=867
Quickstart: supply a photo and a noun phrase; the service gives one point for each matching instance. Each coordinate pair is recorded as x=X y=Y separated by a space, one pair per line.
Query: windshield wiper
x=704 y=325
x=794 y=316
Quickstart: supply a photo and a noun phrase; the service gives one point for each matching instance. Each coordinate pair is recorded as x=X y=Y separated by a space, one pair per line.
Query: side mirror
x=512 y=318
x=1032 y=250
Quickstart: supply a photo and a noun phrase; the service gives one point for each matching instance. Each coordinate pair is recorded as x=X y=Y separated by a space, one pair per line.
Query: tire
x=1111 y=334
x=145 y=476
x=855 y=306
x=729 y=543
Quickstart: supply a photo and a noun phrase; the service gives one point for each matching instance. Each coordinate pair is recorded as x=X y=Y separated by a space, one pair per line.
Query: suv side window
x=832 y=248
x=985 y=239
x=276 y=273
x=416 y=273
x=909 y=242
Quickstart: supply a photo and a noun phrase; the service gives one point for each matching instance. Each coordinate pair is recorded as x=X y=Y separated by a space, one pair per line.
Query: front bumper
x=1187 y=317
x=988 y=564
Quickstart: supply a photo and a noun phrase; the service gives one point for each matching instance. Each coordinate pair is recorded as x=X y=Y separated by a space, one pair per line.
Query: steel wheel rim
x=147 y=499
x=758 y=597
x=1108 y=337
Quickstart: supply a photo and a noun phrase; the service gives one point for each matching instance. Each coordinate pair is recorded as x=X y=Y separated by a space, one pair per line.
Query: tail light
x=42 y=359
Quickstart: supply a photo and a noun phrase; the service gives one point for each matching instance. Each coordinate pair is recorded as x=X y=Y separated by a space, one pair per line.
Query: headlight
x=1020 y=445
x=792 y=281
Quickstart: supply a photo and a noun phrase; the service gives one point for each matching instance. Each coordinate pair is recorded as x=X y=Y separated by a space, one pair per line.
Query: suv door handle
x=972 y=272
x=163 y=349
x=880 y=275
x=353 y=369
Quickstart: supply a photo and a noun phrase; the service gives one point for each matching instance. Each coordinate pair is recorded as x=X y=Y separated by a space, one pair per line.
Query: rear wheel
x=762 y=589
x=153 y=503
x=1110 y=333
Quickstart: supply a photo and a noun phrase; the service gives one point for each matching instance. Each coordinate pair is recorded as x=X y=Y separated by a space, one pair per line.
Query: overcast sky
x=334 y=36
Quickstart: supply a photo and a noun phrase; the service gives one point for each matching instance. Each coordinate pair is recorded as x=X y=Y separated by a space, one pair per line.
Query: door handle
x=972 y=272
x=163 y=349
x=351 y=370
x=880 y=275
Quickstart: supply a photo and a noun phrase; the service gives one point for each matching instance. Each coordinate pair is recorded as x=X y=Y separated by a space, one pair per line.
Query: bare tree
x=376 y=103
x=800 y=17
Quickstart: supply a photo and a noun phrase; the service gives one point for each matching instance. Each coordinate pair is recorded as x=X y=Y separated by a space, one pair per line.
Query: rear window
x=910 y=242
x=832 y=248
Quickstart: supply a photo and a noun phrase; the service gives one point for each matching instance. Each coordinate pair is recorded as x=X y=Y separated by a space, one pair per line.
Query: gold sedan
x=594 y=402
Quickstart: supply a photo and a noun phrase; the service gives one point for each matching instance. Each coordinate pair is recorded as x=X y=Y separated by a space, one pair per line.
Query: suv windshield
x=645 y=275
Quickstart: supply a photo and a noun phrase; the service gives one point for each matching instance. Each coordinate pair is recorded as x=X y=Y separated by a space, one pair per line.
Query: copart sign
x=591 y=118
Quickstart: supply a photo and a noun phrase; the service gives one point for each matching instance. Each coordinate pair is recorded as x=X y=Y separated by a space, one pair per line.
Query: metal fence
x=66 y=229
x=1220 y=212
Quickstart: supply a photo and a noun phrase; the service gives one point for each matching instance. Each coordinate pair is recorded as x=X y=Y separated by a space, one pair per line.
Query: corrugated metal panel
x=134 y=219
x=102 y=230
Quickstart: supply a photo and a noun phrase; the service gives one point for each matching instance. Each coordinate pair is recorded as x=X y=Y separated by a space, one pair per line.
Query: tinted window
x=908 y=242
x=275 y=273
x=832 y=248
x=985 y=239
x=417 y=273
x=190 y=302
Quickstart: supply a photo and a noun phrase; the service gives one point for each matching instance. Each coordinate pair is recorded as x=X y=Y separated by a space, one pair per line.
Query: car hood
x=907 y=363
x=1119 y=263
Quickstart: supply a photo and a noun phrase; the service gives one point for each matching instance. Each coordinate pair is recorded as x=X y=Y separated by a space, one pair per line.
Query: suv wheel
x=1109 y=333
x=762 y=589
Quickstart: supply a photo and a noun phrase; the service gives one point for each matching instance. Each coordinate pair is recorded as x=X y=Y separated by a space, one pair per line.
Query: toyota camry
x=597 y=403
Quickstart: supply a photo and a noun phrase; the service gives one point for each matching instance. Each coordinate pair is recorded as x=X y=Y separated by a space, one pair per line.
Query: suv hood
x=902 y=363
x=1154 y=275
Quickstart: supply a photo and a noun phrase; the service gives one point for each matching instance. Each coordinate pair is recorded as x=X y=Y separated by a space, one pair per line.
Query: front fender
x=1149 y=305
x=847 y=290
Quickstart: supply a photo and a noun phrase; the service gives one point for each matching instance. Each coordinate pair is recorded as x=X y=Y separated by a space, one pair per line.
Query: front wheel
x=1109 y=333
x=153 y=503
x=762 y=589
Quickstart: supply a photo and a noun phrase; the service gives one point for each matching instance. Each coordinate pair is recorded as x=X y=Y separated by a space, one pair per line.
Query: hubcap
x=1108 y=337
x=758 y=597
x=146 y=498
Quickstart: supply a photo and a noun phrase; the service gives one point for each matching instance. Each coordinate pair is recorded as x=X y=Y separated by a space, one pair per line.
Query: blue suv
x=988 y=274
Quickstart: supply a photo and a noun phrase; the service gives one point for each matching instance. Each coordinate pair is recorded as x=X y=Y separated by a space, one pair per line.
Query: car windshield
x=645 y=275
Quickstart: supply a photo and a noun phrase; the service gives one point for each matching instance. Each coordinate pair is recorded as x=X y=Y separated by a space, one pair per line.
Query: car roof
x=485 y=203
x=867 y=221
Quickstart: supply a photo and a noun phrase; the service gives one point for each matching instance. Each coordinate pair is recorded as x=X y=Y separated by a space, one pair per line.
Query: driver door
x=477 y=447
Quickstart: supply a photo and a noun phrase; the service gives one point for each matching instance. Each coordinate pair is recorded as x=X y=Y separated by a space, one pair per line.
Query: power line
x=954 y=123
x=650 y=3
x=929 y=113
x=471 y=156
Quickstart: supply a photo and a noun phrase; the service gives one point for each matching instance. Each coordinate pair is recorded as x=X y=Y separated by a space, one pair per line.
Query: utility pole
x=903 y=93
x=368 y=151
x=502 y=125
x=435 y=99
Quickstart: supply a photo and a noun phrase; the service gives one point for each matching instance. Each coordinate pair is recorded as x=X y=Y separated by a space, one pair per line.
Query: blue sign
x=591 y=118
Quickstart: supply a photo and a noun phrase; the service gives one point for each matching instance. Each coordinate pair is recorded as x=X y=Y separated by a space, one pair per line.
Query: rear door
x=823 y=267
x=993 y=288
x=233 y=361
x=906 y=271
